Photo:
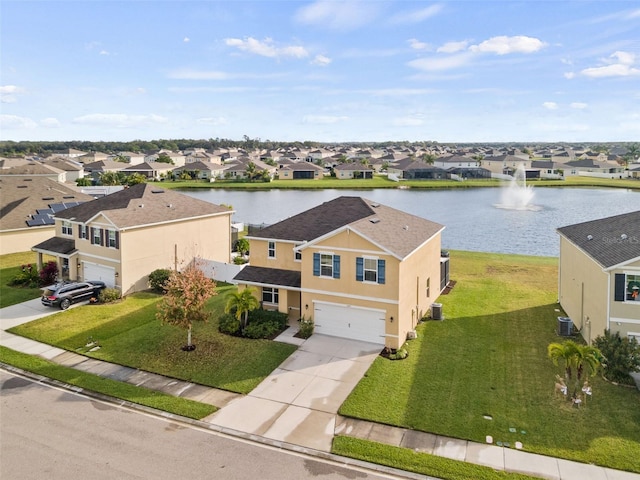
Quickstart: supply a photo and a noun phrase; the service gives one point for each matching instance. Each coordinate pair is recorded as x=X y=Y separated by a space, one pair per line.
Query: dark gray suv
x=64 y=294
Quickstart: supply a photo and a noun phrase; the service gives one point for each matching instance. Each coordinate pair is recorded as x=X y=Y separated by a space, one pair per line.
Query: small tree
x=242 y=245
x=579 y=361
x=48 y=273
x=241 y=303
x=158 y=279
x=184 y=302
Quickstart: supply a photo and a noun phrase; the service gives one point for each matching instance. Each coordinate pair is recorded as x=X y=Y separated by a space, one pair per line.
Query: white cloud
x=186 y=39
x=266 y=48
x=569 y=75
x=321 y=60
x=104 y=52
x=119 y=120
x=408 y=121
x=212 y=121
x=550 y=105
x=418 y=45
x=50 y=122
x=324 y=119
x=16 y=122
x=618 y=64
x=434 y=64
x=417 y=16
x=625 y=58
x=503 y=45
x=453 y=47
x=578 y=105
x=10 y=89
x=338 y=14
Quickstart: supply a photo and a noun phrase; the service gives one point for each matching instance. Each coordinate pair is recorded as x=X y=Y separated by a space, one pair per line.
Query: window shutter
x=336 y=266
x=381 y=269
x=316 y=264
x=93 y=234
x=619 y=287
x=359 y=269
x=102 y=235
x=117 y=239
x=80 y=231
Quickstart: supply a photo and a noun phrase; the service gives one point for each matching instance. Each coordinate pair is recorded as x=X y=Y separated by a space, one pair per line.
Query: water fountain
x=517 y=195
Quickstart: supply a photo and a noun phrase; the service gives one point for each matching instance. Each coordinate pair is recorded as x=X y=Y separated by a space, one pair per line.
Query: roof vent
x=589 y=237
x=406 y=227
x=623 y=236
x=141 y=205
x=157 y=191
x=170 y=205
x=374 y=220
x=375 y=205
x=69 y=196
x=47 y=198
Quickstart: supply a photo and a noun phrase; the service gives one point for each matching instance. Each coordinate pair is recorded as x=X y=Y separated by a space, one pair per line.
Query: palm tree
x=633 y=152
x=429 y=158
x=579 y=361
x=241 y=303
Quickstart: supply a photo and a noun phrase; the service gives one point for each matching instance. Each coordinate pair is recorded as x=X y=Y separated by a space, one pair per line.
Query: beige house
x=27 y=205
x=358 y=269
x=599 y=275
x=124 y=236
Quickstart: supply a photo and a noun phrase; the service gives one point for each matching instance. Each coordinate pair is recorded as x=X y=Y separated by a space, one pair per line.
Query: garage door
x=347 y=321
x=93 y=271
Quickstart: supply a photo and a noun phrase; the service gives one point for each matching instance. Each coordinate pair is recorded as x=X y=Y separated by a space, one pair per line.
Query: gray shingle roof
x=63 y=246
x=143 y=204
x=396 y=231
x=609 y=241
x=269 y=276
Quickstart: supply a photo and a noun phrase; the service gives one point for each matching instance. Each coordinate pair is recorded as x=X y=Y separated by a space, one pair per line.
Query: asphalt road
x=55 y=434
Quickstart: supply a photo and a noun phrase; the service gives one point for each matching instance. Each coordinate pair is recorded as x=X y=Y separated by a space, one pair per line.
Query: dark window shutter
x=359 y=269
x=93 y=234
x=381 y=269
x=336 y=266
x=102 y=237
x=620 y=287
x=80 y=231
x=316 y=264
x=117 y=239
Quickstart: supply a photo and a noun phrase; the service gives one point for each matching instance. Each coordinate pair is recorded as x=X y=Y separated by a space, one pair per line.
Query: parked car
x=64 y=294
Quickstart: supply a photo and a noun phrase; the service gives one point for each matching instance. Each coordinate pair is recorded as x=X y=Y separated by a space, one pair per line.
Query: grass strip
x=139 y=395
x=418 y=462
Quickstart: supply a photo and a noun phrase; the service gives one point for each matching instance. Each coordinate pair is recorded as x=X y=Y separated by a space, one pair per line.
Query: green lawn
x=10 y=265
x=129 y=334
x=142 y=396
x=488 y=358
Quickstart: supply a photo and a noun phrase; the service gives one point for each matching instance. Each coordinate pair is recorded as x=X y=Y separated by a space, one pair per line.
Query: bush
x=239 y=260
x=306 y=327
x=158 y=279
x=265 y=324
x=229 y=324
x=622 y=356
x=261 y=315
x=109 y=295
x=27 y=277
x=48 y=273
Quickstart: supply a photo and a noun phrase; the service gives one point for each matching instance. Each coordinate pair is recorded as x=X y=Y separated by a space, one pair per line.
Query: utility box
x=436 y=311
x=565 y=327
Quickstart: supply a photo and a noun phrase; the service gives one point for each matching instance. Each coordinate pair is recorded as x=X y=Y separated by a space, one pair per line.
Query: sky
x=324 y=70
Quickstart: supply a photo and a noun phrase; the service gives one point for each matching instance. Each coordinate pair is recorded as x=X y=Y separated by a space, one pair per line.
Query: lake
x=472 y=220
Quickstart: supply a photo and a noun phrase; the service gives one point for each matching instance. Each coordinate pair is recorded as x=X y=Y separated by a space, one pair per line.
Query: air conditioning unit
x=436 y=311
x=565 y=327
x=412 y=334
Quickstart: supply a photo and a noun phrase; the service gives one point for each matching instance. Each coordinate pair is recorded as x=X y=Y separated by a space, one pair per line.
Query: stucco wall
x=22 y=240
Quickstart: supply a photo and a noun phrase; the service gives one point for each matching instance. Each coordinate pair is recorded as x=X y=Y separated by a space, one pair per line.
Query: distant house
x=201 y=170
x=599 y=273
x=122 y=237
x=73 y=170
x=27 y=206
x=299 y=170
x=548 y=169
x=35 y=169
x=455 y=161
x=505 y=164
x=153 y=170
x=358 y=269
x=353 y=170
x=411 y=169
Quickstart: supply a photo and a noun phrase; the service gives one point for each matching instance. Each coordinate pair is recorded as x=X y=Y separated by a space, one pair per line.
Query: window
x=428 y=287
x=297 y=255
x=271 y=250
x=627 y=288
x=66 y=228
x=83 y=232
x=270 y=295
x=112 y=239
x=370 y=270
x=326 y=265
x=96 y=236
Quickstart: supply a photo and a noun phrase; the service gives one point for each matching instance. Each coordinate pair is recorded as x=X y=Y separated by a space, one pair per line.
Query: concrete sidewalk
x=298 y=403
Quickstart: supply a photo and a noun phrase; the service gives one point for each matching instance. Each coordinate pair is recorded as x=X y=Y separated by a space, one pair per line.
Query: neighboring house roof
x=62 y=163
x=21 y=198
x=269 y=276
x=302 y=167
x=104 y=166
x=63 y=246
x=199 y=166
x=31 y=168
x=397 y=232
x=353 y=166
x=584 y=163
x=143 y=204
x=609 y=241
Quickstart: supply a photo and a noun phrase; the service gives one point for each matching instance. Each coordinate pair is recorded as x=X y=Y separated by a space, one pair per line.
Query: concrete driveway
x=24 y=312
x=299 y=401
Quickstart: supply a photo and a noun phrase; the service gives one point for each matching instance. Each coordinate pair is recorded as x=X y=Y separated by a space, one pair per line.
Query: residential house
x=505 y=164
x=152 y=171
x=357 y=268
x=27 y=205
x=240 y=169
x=455 y=161
x=73 y=170
x=201 y=170
x=122 y=237
x=34 y=169
x=288 y=170
x=95 y=169
x=590 y=167
x=548 y=169
x=599 y=275
x=351 y=170
x=412 y=169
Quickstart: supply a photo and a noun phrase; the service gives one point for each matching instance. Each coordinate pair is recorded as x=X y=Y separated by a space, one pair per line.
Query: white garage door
x=93 y=271
x=347 y=321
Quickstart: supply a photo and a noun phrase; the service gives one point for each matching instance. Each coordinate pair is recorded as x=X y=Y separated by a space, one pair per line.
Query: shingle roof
x=269 y=276
x=394 y=230
x=143 y=204
x=609 y=241
x=63 y=246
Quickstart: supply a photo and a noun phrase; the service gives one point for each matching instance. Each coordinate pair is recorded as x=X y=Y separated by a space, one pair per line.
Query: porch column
x=39 y=261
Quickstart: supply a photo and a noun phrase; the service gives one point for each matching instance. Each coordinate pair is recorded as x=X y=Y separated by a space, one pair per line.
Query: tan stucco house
x=358 y=269
x=122 y=237
x=599 y=275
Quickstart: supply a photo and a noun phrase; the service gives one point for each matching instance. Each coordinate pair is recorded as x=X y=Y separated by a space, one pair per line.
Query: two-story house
x=357 y=268
x=599 y=275
x=122 y=237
